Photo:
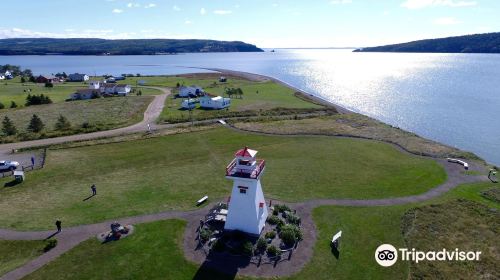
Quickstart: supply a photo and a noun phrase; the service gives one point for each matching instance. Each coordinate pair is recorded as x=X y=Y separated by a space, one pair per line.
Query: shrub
x=13 y=104
x=50 y=245
x=273 y=220
x=49 y=85
x=247 y=248
x=275 y=212
x=261 y=244
x=205 y=234
x=62 y=123
x=293 y=219
x=290 y=233
x=273 y=251
x=2 y=106
x=282 y=208
x=37 y=99
x=270 y=235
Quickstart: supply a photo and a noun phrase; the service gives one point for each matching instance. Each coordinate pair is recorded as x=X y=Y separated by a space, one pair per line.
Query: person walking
x=94 y=189
x=33 y=161
x=58 y=225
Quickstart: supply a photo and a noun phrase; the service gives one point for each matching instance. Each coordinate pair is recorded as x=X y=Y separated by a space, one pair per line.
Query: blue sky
x=266 y=23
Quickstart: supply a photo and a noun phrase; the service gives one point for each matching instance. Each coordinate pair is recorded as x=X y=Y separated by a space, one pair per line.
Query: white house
x=98 y=88
x=77 y=77
x=191 y=91
x=8 y=75
x=95 y=84
x=189 y=104
x=115 y=89
x=2 y=77
x=217 y=102
x=247 y=209
x=84 y=94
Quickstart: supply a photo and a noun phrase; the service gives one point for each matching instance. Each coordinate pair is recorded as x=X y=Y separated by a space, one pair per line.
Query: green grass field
x=173 y=172
x=155 y=249
x=101 y=114
x=14 y=90
x=15 y=253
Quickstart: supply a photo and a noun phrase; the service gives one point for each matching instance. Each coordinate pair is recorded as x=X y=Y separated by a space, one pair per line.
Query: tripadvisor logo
x=387 y=255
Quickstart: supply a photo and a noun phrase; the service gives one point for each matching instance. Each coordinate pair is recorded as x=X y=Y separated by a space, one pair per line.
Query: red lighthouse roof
x=246 y=152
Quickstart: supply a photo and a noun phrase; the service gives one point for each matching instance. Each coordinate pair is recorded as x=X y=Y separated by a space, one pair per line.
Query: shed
x=19 y=176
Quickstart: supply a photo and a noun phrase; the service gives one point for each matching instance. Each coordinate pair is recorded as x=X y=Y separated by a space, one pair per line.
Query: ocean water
x=450 y=98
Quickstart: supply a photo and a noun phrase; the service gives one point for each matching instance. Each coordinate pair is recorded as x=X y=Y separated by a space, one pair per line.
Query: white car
x=8 y=165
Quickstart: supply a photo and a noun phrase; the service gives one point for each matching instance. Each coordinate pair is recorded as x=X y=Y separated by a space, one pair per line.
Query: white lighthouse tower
x=247 y=210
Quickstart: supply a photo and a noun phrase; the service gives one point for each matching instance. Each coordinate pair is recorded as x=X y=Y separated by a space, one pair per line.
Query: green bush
x=261 y=244
x=273 y=251
x=50 y=245
x=273 y=220
x=247 y=248
x=205 y=234
x=275 y=212
x=290 y=233
x=293 y=219
x=270 y=235
x=282 y=208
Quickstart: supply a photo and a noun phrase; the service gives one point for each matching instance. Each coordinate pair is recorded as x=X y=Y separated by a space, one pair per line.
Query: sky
x=265 y=23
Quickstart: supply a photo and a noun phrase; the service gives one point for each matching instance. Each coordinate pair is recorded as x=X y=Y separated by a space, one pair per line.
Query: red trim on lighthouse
x=261 y=205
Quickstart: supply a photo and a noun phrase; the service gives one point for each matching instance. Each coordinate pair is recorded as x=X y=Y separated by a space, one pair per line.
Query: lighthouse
x=247 y=209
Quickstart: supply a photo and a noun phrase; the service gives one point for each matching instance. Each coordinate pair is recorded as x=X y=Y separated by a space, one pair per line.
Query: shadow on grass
x=335 y=251
x=88 y=197
x=221 y=266
x=12 y=183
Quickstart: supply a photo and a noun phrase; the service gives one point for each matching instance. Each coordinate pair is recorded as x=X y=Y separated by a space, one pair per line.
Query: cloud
x=203 y=11
x=150 y=5
x=446 y=21
x=223 y=12
x=275 y=5
x=176 y=8
x=420 y=4
x=336 y=2
x=117 y=11
x=133 y=5
x=187 y=21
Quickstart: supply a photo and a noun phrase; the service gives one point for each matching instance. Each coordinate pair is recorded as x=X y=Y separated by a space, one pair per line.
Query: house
x=189 y=104
x=191 y=91
x=214 y=102
x=114 y=89
x=84 y=94
x=42 y=79
x=222 y=79
x=8 y=75
x=2 y=77
x=77 y=77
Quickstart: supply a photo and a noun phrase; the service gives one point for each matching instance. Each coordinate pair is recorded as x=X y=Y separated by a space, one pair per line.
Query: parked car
x=8 y=165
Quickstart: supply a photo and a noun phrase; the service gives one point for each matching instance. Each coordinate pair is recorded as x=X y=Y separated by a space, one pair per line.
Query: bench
x=201 y=200
x=454 y=160
x=222 y=122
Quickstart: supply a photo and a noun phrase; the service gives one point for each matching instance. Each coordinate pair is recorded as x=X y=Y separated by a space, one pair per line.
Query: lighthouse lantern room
x=247 y=210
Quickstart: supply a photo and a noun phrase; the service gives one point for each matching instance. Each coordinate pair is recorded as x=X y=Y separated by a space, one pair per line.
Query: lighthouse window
x=243 y=191
x=244 y=162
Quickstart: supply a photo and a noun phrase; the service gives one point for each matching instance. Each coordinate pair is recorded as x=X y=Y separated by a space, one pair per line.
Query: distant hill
x=477 y=43
x=85 y=46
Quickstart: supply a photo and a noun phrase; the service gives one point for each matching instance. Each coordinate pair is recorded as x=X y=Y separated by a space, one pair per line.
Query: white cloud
x=275 y=5
x=176 y=8
x=336 y=2
x=187 y=21
x=446 y=21
x=203 y=11
x=133 y=5
x=117 y=11
x=150 y=5
x=419 y=4
x=223 y=12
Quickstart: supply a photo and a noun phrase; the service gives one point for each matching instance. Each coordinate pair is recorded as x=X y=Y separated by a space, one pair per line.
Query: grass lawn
x=101 y=114
x=152 y=252
x=257 y=97
x=14 y=90
x=15 y=253
x=357 y=125
x=172 y=172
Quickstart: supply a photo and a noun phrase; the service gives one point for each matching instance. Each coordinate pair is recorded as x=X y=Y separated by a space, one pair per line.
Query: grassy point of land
x=172 y=172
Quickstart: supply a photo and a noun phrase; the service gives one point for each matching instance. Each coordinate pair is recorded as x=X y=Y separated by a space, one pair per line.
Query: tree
x=62 y=123
x=23 y=80
x=32 y=79
x=240 y=92
x=8 y=127
x=49 y=85
x=13 y=104
x=2 y=106
x=27 y=73
x=36 y=125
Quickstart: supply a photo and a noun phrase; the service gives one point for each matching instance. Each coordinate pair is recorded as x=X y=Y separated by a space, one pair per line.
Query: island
x=92 y=46
x=476 y=43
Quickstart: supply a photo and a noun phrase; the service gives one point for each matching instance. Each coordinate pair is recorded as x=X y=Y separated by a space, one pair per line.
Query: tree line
x=35 y=125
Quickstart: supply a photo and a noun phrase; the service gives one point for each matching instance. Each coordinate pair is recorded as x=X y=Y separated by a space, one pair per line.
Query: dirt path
x=150 y=115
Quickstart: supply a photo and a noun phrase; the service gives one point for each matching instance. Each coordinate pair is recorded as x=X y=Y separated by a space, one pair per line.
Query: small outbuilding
x=214 y=102
x=191 y=91
x=19 y=176
x=189 y=104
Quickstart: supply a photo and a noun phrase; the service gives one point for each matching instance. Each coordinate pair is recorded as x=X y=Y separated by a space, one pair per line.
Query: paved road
x=150 y=115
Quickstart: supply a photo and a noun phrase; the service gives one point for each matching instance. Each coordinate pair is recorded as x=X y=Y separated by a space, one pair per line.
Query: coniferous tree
x=62 y=123
x=36 y=125
x=13 y=104
x=8 y=127
x=2 y=106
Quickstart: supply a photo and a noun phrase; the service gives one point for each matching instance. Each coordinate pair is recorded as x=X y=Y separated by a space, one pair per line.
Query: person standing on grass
x=94 y=189
x=58 y=225
x=33 y=161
